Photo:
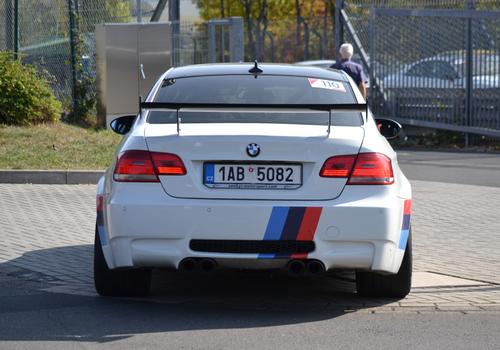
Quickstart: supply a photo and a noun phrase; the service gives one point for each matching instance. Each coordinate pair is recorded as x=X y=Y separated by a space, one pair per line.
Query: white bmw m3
x=255 y=166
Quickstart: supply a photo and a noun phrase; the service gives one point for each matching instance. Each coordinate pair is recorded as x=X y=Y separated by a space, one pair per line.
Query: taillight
x=338 y=166
x=168 y=164
x=361 y=169
x=144 y=166
x=372 y=169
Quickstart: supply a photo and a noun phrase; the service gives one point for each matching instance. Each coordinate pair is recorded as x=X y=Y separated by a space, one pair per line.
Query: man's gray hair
x=346 y=50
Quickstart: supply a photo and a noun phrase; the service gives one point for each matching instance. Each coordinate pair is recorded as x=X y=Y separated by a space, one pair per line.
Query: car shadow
x=223 y=299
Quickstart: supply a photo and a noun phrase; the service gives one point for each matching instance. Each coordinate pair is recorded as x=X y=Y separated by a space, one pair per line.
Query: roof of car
x=320 y=63
x=267 y=69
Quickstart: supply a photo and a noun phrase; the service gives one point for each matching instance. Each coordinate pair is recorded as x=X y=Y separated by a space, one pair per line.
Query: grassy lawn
x=57 y=146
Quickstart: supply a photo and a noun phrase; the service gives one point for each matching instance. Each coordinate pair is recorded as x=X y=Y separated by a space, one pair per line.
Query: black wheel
x=373 y=284
x=124 y=283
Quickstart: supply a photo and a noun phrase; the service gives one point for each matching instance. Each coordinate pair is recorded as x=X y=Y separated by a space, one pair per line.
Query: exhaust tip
x=296 y=267
x=315 y=267
x=188 y=265
x=207 y=265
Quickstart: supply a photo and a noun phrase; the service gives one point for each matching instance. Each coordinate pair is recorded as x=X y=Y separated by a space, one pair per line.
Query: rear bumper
x=362 y=229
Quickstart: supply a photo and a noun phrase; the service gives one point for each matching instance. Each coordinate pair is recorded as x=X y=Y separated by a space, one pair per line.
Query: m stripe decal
x=309 y=224
x=276 y=223
x=308 y=227
x=275 y=227
x=292 y=224
x=295 y=223
x=405 y=227
x=101 y=230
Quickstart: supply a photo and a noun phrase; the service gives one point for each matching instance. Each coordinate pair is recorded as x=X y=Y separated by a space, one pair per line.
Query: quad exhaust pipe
x=188 y=265
x=197 y=265
x=299 y=268
x=295 y=267
x=207 y=265
x=315 y=267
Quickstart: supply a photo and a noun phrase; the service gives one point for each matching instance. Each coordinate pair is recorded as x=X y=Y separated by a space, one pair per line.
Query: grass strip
x=56 y=146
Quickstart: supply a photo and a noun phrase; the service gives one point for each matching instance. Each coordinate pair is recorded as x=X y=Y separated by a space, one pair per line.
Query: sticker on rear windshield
x=326 y=84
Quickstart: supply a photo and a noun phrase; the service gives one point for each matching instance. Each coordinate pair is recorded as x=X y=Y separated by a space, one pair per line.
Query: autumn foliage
x=280 y=30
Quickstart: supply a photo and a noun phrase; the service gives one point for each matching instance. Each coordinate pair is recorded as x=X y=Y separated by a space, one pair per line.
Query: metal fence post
x=174 y=17
x=236 y=39
x=16 y=27
x=339 y=25
x=211 y=42
x=371 y=33
x=223 y=42
x=139 y=11
x=72 y=40
x=468 y=70
x=8 y=25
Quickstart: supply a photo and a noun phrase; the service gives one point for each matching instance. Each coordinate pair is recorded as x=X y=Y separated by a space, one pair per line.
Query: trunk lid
x=308 y=145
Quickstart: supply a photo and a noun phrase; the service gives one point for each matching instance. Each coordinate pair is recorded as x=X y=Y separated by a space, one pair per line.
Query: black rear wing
x=346 y=107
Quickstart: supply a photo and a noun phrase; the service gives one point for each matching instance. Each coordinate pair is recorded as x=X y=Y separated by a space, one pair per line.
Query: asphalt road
x=482 y=169
x=40 y=320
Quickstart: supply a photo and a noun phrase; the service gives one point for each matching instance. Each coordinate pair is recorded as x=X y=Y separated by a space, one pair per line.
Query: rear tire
x=373 y=284
x=123 y=283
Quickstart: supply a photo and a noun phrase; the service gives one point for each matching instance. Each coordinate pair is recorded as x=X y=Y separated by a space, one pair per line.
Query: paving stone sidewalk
x=46 y=234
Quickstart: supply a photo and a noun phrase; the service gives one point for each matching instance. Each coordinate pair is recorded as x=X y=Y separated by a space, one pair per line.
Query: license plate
x=252 y=176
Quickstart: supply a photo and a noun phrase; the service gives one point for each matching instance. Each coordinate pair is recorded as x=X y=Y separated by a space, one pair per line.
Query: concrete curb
x=50 y=177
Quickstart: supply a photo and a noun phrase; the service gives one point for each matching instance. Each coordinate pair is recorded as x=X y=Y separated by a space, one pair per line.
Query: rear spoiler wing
x=349 y=107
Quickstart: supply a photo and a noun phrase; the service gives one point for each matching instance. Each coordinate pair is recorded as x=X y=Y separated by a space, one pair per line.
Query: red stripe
x=99 y=203
x=308 y=227
x=407 y=209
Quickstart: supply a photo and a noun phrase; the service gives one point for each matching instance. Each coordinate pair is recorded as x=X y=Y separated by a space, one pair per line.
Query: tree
x=278 y=30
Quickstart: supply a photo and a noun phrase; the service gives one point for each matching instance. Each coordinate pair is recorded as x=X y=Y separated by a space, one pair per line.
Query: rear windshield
x=265 y=89
x=247 y=89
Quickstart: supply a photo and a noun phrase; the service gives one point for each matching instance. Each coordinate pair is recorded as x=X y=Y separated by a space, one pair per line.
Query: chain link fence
x=190 y=43
x=437 y=65
x=40 y=31
x=40 y=34
x=427 y=79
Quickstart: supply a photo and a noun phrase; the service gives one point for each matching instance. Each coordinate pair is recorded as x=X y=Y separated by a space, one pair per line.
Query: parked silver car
x=447 y=71
x=317 y=63
x=437 y=86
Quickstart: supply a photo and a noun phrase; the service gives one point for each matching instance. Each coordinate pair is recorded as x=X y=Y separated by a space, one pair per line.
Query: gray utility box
x=130 y=58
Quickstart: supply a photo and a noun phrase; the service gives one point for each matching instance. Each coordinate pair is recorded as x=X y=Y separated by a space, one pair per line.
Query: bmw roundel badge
x=253 y=150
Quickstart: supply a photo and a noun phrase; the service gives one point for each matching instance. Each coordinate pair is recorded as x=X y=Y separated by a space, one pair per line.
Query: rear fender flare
x=101 y=226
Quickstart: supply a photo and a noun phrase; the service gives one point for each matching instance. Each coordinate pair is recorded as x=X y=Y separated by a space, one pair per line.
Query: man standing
x=353 y=69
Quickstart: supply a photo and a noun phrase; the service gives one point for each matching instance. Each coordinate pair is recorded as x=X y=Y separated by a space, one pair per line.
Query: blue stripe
x=403 y=239
x=209 y=173
x=275 y=227
x=276 y=223
x=100 y=218
x=101 y=231
x=102 y=235
x=406 y=221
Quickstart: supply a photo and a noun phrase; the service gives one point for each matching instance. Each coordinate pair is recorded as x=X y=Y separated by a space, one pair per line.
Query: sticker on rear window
x=326 y=84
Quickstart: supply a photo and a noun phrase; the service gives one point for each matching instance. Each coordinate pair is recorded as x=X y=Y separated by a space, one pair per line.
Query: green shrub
x=25 y=96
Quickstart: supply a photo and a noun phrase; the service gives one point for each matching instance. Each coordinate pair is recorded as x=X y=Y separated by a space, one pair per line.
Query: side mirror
x=389 y=128
x=122 y=125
